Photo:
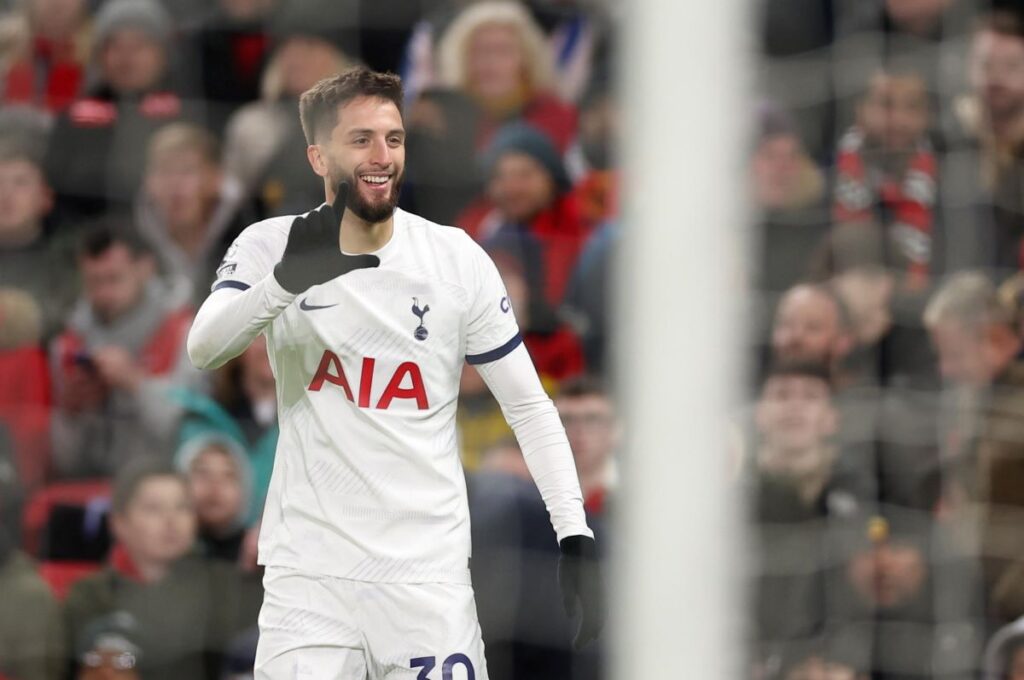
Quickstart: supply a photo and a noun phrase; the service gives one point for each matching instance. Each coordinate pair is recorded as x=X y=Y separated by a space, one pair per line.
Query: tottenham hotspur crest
x=421 y=332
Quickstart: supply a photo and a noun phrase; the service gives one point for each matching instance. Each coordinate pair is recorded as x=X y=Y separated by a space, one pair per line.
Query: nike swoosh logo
x=306 y=307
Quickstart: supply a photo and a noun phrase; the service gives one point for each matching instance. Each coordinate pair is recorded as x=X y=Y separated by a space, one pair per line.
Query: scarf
x=907 y=203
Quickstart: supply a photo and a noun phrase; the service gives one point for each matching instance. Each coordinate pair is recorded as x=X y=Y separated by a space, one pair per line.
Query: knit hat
x=148 y=16
x=117 y=632
x=532 y=142
x=191 y=448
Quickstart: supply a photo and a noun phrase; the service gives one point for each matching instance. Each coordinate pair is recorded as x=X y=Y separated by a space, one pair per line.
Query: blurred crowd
x=883 y=451
x=137 y=139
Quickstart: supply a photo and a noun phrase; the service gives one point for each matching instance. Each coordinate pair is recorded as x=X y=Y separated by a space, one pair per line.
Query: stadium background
x=878 y=454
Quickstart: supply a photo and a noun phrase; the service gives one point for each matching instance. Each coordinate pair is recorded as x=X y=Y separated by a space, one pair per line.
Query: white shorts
x=315 y=627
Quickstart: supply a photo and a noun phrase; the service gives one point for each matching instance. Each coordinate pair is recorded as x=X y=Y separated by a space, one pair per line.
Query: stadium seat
x=44 y=503
x=61 y=575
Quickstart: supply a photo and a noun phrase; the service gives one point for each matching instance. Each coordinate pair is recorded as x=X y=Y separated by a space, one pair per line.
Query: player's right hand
x=313 y=253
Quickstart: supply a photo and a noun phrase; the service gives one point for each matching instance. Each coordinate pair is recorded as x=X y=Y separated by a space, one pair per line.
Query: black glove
x=579 y=575
x=312 y=255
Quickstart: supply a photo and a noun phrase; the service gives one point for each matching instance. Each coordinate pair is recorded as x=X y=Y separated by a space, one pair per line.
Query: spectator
x=32 y=257
x=228 y=50
x=930 y=36
x=189 y=209
x=986 y=165
x=494 y=52
x=864 y=267
x=887 y=170
x=812 y=325
x=220 y=482
x=530 y=210
x=25 y=399
x=788 y=191
x=590 y=421
x=796 y=424
x=994 y=116
x=264 y=144
x=122 y=349
x=186 y=608
x=97 y=153
x=978 y=347
x=47 y=49
x=578 y=41
x=31 y=634
x=555 y=350
x=883 y=601
x=802 y=481
x=242 y=409
x=108 y=650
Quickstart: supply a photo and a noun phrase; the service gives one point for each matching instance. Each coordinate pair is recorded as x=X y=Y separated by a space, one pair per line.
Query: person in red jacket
x=554 y=348
x=529 y=209
x=45 y=61
x=24 y=386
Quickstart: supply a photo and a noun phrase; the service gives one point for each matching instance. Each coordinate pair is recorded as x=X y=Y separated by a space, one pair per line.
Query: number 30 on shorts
x=427 y=664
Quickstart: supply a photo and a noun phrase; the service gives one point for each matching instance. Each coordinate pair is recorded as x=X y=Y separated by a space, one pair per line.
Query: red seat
x=60 y=576
x=37 y=510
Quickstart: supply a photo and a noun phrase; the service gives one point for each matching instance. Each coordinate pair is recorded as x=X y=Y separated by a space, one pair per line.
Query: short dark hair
x=318 y=106
x=130 y=477
x=101 y=236
x=582 y=386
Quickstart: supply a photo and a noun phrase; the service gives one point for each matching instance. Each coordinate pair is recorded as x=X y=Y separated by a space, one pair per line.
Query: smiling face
x=366 y=148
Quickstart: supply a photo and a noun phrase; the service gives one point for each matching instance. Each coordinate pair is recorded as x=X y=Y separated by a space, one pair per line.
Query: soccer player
x=369 y=313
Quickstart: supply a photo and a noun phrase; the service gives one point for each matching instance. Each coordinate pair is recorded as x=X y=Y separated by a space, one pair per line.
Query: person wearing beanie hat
x=97 y=153
x=146 y=16
x=529 y=208
x=220 y=479
x=527 y=140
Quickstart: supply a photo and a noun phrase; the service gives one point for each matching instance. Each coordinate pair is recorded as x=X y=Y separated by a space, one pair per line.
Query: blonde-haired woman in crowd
x=495 y=53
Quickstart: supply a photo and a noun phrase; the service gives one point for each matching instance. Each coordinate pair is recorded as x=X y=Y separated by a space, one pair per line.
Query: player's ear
x=316 y=159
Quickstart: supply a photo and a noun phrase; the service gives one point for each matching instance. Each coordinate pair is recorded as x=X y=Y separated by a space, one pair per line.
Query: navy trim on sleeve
x=495 y=354
x=232 y=284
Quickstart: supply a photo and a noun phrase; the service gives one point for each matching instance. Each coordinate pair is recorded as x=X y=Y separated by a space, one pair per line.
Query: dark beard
x=372 y=214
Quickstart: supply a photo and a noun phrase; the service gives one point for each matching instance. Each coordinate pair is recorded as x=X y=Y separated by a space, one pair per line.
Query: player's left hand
x=579 y=575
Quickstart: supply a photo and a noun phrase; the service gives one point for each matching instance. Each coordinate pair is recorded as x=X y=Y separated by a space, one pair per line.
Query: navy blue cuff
x=495 y=354
x=231 y=284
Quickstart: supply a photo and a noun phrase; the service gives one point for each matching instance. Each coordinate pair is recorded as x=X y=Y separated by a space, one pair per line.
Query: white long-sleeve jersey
x=367 y=482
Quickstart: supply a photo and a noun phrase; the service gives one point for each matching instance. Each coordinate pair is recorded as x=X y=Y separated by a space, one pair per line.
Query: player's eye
x=395 y=140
